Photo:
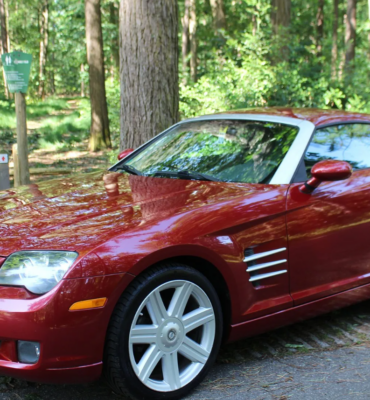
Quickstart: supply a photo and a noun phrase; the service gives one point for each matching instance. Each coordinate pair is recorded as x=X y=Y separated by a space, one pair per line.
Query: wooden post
x=16 y=165
x=22 y=154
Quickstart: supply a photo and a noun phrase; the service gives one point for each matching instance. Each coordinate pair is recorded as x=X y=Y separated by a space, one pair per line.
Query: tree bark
x=113 y=19
x=218 y=13
x=44 y=41
x=280 y=18
x=185 y=40
x=368 y=34
x=334 y=49
x=4 y=40
x=320 y=27
x=82 y=69
x=52 y=68
x=149 y=69
x=280 y=15
x=193 y=41
x=350 y=38
x=99 y=130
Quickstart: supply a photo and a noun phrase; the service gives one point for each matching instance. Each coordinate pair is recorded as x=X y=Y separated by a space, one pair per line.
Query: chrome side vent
x=265 y=276
x=251 y=258
x=265 y=265
x=257 y=256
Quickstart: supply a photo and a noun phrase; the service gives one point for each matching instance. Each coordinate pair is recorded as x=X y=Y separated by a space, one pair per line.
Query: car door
x=329 y=230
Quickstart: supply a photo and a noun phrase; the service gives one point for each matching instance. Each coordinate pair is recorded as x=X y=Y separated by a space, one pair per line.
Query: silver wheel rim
x=172 y=336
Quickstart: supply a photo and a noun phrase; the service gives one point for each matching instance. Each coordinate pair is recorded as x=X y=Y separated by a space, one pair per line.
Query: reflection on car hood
x=82 y=211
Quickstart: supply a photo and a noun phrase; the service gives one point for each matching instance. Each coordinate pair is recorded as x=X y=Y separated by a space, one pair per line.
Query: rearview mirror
x=327 y=171
x=124 y=154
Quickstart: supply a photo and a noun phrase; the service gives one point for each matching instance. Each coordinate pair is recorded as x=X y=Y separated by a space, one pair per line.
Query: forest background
x=232 y=54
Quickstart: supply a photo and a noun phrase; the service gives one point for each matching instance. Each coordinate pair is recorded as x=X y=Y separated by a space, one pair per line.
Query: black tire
x=118 y=369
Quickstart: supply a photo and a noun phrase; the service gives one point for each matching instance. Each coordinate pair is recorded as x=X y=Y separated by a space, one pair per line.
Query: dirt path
x=324 y=358
x=67 y=160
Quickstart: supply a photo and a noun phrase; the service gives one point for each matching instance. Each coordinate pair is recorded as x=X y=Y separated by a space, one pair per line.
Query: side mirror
x=326 y=171
x=124 y=153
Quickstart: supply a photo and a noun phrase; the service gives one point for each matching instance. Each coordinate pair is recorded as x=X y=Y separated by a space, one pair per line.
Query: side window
x=347 y=142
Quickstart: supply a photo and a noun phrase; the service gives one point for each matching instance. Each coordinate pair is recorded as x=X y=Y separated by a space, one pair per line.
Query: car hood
x=80 y=212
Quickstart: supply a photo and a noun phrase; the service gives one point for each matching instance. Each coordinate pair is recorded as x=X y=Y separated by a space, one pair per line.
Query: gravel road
x=323 y=358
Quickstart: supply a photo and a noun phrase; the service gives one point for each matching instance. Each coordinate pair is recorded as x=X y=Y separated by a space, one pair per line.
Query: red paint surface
x=122 y=224
x=328 y=237
x=327 y=171
x=331 y=170
x=124 y=154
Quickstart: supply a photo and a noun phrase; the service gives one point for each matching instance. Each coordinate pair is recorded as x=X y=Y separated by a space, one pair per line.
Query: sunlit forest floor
x=58 y=131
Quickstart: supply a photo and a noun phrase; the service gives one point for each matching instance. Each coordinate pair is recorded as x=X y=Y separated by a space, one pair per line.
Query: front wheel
x=164 y=334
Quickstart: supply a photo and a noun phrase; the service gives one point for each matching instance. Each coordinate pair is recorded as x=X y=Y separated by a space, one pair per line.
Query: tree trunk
x=99 y=130
x=82 y=69
x=113 y=19
x=280 y=15
x=368 y=34
x=218 y=13
x=193 y=41
x=334 y=49
x=350 y=38
x=254 y=23
x=4 y=40
x=44 y=41
x=185 y=40
x=320 y=27
x=280 y=18
x=52 y=68
x=149 y=69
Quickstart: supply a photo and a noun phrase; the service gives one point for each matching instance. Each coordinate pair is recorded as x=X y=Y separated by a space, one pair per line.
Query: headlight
x=38 y=271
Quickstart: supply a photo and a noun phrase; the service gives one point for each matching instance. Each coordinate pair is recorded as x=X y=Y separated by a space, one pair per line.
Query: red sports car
x=219 y=228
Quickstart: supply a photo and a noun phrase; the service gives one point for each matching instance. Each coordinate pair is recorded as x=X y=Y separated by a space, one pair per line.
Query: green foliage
x=244 y=65
x=250 y=67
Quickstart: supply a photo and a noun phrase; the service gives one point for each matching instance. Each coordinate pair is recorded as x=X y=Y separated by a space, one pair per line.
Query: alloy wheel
x=172 y=335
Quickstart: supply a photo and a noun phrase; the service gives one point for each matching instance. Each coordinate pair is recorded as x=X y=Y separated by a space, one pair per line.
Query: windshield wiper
x=130 y=169
x=186 y=174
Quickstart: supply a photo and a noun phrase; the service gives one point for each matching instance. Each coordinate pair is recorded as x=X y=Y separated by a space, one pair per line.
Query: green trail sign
x=17 y=67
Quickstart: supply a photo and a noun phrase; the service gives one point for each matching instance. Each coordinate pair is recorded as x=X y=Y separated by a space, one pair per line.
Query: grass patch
x=57 y=124
x=51 y=105
x=7 y=116
x=64 y=130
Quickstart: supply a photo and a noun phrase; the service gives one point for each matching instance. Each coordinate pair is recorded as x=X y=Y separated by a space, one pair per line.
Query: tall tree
x=320 y=27
x=280 y=15
x=185 y=20
x=334 y=49
x=280 y=19
x=99 y=130
x=193 y=41
x=189 y=40
x=4 y=38
x=113 y=20
x=149 y=69
x=218 y=13
x=350 y=38
x=368 y=34
x=44 y=41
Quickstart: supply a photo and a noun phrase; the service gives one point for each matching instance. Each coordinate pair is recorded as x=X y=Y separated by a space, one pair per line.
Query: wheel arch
x=211 y=272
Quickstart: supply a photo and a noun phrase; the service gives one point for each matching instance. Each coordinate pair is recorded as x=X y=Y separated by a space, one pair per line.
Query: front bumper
x=72 y=343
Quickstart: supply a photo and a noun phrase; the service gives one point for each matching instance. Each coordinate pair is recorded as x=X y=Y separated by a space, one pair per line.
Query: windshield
x=221 y=150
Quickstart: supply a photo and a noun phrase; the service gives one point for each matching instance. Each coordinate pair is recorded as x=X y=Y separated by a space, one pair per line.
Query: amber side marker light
x=89 y=304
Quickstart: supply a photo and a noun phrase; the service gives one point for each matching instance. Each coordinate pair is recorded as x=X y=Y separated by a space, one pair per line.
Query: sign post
x=4 y=171
x=17 y=67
